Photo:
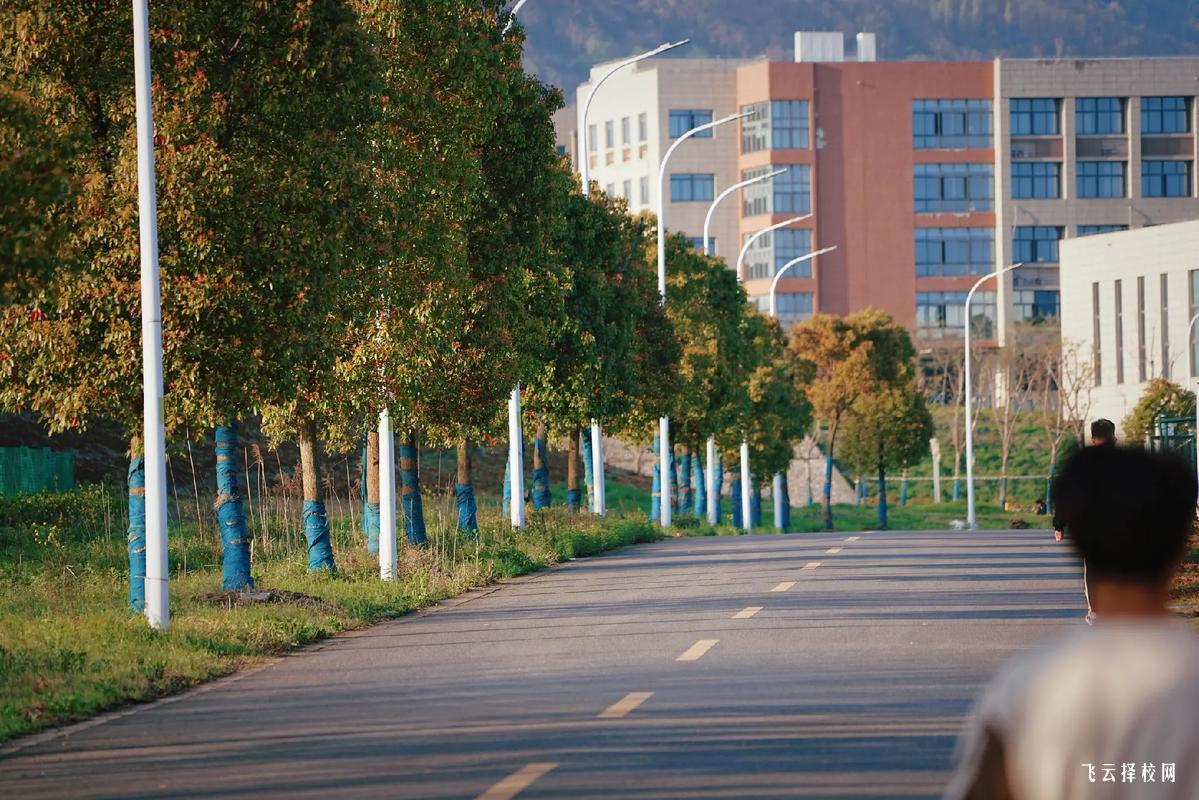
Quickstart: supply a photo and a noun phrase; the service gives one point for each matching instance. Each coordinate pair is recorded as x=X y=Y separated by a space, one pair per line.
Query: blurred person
x=1103 y=434
x=1109 y=711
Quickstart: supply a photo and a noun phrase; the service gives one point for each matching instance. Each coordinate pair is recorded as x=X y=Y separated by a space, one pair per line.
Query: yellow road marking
x=853 y=538
x=624 y=705
x=517 y=782
x=832 y=551
x=746 y=613
x=698 y=649
x=811 y=565
x=784 y=586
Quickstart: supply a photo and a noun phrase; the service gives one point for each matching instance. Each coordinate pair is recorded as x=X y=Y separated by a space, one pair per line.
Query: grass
x=69 y=646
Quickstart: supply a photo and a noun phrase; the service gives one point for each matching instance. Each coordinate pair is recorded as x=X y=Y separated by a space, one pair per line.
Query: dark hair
x=1104 y=430
x=1128 y=512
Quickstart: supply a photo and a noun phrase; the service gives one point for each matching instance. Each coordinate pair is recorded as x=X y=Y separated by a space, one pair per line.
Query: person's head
x=1103 y=431
x=1128 y=512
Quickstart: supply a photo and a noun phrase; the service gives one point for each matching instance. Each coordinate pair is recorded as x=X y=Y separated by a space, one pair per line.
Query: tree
x=887 y=430
x=1076 y=376
x=1161 y=398
x=1009 y=375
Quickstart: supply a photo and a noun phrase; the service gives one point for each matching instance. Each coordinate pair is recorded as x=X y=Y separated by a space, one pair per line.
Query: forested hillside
x=566 y=36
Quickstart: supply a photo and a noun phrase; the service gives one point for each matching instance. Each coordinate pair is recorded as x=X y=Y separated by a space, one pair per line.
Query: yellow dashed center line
x=625 y=704
x=746 y=613
x=811 y=565
x=784 y=586
x=698 y=649
x=853 y=538
x=517 y=782
x=832 y=551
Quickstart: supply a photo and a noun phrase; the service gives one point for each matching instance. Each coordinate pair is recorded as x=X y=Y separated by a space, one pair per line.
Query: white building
x=1127 y=301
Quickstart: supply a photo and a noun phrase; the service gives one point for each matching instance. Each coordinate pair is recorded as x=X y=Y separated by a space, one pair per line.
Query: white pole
x=158 y=610
x=512 y=14
x=387 y=499
x=746 y=522
x=778 y=500
x=710 y=479
x=751 y=240
x=516 y=462
x=599 y=500
x=664 y=422
x=1191 y=358
x=971 y=515
x=664 y=471
x=726 y=193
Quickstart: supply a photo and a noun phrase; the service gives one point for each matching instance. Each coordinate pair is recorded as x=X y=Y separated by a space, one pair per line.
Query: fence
x=1175 y=434
x=27 y=470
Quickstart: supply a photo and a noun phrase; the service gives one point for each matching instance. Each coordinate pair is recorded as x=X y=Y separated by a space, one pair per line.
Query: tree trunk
x=655 y=498
x=137 y=527
x=957 y=474
x=882 y=497
x=541 y=468
x=589 y=464
x=1003 y=461
x=316 y=521
x=370 y=511
x=784 y=499
x=573 y=496
x=464 y=490
x=414 y=510
x=755 y=502
x=686 y=499
x=828 y=479
x=735 y=502
x=231 y=513
x=699 y=492
x=718 y=485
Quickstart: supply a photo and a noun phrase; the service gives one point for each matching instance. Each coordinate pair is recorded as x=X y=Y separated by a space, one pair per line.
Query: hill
x=566 y=36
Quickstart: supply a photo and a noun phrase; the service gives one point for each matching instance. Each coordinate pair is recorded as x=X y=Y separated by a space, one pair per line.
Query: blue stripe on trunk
x=700 y=506
x=541 y=475
x=588 y=466
x=231 y=513
x=137 y=533
x=655 y=499
x=735 y=501
x=468 y=519
x=414 y=509
x=316 y=531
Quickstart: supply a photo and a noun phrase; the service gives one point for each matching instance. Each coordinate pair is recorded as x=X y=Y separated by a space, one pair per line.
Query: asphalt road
x=646 y=673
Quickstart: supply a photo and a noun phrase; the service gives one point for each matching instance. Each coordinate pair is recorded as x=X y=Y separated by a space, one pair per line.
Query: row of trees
x=360 y=208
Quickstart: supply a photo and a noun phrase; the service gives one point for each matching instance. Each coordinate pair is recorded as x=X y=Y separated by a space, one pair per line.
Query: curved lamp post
x=971 y=515
x=599 y=502
x=777 y=488
x=512 y=14
x=664 y=422
x=746 y=523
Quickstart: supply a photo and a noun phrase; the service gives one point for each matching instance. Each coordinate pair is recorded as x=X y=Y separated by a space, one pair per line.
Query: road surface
x=810 y=665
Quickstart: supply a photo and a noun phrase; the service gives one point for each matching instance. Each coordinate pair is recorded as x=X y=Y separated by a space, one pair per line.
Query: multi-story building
x=1126 y=317
x=925 y=175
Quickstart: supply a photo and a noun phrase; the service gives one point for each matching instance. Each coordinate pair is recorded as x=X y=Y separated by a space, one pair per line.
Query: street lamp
x=710 y=466
x=599 y=503
x=157 y=572
x=746 y=523
x=971 y=516
x=512 y=14
x=664 y=422
x=777 y=488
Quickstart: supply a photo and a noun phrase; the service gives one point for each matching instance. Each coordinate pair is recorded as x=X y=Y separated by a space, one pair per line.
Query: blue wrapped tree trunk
x=718 y=486
x=685 y=498
x=414 y=508
x=541 y=469
x=316 y=521
x=882 y=498
x=735 y=501
x=755 y=503
x=370 y=491
x=137 y=533
x=464 y=491
x=573 y=496
x=674 y=483
x=231 y=513
x=588 y=465
x=700 y=493
x=655 y=497
x=506 y=497
x=784 y=499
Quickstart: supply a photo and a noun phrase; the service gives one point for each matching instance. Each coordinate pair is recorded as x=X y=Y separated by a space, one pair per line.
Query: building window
x=1036 y=116
x=774 y=250
x=1102 y=179
x=626 y=131
x=643 y=127
x=1165 y=292
x=627 y=191
x=1096 y=332
x=954 y=187
x=789 y=193
x=1119 y=331
x=1035 y=306
x=791 y=307
x=1098 y=115
x=691 y=187
x=1141 y=370
x=1091 y=230
x=1033 y=244
x=644 y=191
x=954 y=251
x=1166 y=178
x=609 y=135
x=610 y=190
x=1165 y=115
x=1036 y=180
x=697 y=243
x=942 y=315
x=592 y=139
x=951 y=123
x=778 y=124
x=1193 y=339
x=684 y=119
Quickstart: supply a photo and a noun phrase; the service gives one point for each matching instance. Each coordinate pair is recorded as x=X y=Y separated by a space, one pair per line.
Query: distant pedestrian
x=1109 y=711
x=1103 y=434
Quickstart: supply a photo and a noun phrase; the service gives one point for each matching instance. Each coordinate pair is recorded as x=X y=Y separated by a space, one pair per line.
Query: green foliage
x=1161 y=398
